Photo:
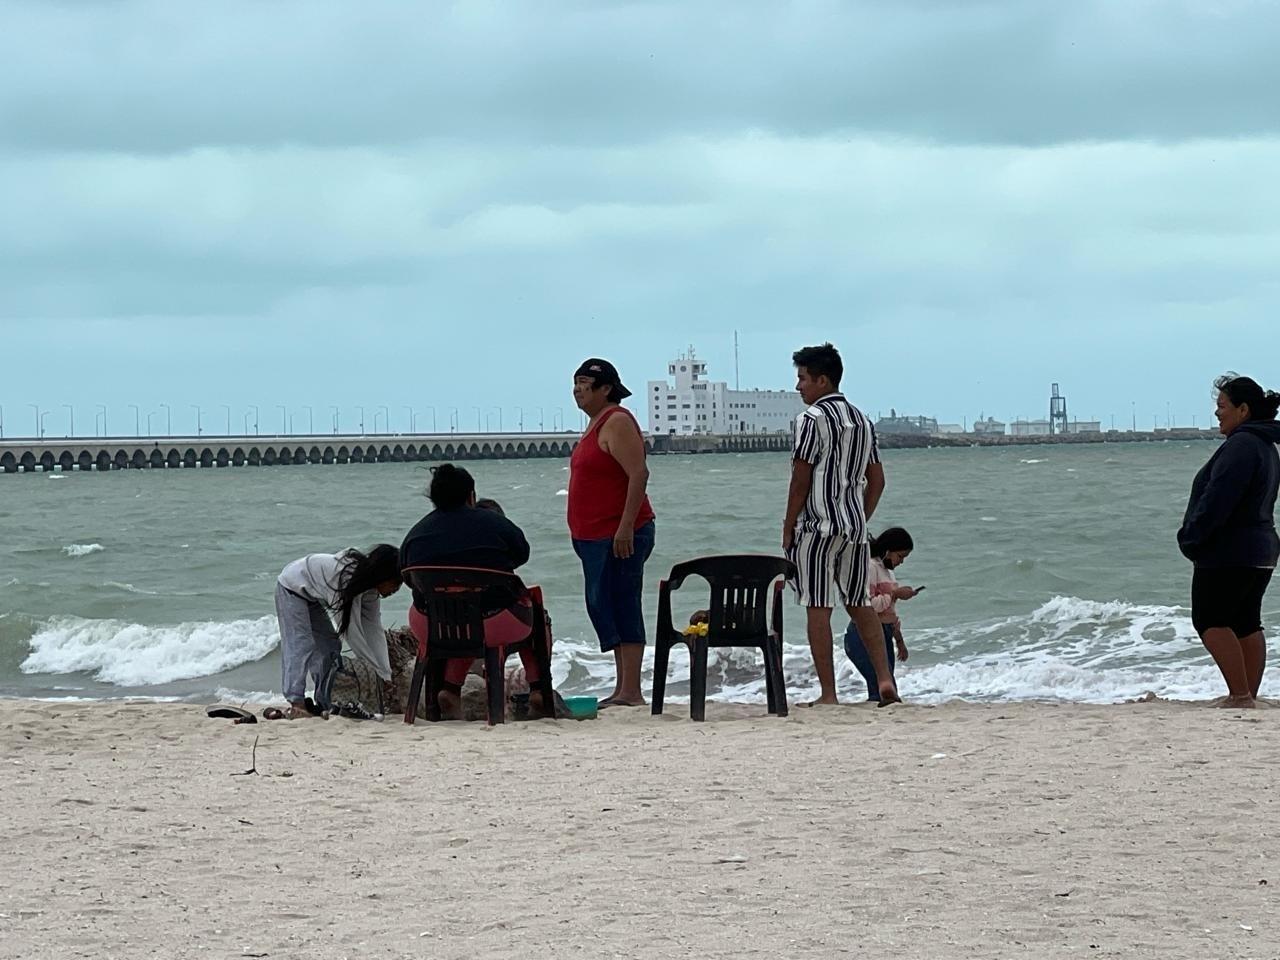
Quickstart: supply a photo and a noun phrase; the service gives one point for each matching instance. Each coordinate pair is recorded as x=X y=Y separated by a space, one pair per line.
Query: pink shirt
x=882 y=585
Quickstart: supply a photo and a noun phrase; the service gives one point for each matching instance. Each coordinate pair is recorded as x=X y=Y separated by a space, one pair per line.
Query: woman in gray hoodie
x=1229 y=533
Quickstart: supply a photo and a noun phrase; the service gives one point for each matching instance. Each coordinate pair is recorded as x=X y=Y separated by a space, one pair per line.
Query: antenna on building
x=737 y=384
x=1057 y=413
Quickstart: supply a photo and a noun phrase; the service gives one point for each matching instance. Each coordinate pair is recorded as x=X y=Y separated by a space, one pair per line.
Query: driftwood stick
x=254 y=760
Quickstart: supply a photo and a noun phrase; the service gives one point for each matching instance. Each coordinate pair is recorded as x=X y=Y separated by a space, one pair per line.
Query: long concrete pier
x=103 y=454
x=157 y=453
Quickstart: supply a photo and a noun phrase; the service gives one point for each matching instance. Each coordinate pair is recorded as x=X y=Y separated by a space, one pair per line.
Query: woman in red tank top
x=611 y=522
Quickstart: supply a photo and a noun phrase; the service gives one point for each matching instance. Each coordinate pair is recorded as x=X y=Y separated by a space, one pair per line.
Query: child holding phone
x=888 y=552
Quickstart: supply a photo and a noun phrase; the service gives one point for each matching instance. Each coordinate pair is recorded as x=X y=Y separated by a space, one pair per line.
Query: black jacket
x=1230 y=519
x=467 y=537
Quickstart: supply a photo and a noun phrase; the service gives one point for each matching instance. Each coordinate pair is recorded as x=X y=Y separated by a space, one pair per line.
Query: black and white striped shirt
x=839 y=441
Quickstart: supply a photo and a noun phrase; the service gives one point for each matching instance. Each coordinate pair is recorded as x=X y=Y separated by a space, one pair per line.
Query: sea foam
x=82 y=549
x=129 y=654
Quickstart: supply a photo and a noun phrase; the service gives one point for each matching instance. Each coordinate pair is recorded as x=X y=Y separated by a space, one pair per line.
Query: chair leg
x=495 y=685
x=779 y=681
x=435 y=683
x=698 y=680
x=661 y=657
x=770 y=691
x=415 y=691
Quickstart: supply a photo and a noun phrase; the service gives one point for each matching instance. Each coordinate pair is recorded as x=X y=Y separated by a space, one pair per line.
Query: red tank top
x=598 y=487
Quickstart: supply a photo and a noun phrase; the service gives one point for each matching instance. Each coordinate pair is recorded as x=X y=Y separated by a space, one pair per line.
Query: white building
x=1084 y=426
x=688 y=404
x=1029 y=428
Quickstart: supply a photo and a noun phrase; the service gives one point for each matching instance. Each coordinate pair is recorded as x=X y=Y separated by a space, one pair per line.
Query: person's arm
x=365 y=635
x=797 y=494
x=517 y=544
x=620 y=438
x=807 y=451
x=875 y=478
x=882 y=596
x=1228 y=479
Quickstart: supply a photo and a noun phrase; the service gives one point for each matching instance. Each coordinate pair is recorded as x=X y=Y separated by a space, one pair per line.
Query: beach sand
x=1142 y=830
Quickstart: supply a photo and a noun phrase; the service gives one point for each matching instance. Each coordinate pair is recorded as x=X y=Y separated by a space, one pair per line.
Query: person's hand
x=904 y=592
x=902 y=650
x=624 y=543
x=788 y=537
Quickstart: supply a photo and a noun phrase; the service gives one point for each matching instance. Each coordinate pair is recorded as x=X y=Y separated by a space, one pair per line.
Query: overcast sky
x=452 y=205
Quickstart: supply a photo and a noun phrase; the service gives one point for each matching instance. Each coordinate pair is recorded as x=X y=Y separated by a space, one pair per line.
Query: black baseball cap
x=603 y=372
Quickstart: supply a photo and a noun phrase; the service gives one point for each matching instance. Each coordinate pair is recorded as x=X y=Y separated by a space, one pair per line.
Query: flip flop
x=238 y=714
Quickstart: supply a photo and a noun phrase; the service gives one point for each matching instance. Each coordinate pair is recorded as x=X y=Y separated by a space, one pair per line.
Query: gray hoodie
x=1230 y=519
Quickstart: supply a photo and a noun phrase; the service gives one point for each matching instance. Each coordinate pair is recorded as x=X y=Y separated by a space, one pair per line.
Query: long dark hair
x=362 y=572
x=1263 y=404
x=895 y=538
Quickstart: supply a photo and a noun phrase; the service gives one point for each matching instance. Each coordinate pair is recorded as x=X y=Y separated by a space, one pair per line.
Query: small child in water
x=888 y=552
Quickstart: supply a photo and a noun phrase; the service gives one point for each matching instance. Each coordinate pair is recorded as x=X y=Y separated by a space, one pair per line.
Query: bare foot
x=888 y=695
x=536 y=708
x=1242 y=702
x=620 y=701
x=823 y=702
x=450 y=705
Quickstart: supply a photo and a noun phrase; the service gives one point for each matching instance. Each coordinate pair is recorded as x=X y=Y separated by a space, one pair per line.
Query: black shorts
x=1228 y=597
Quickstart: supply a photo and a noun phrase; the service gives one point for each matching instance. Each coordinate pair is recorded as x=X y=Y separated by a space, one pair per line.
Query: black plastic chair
x=739 y=617
x=456 y=602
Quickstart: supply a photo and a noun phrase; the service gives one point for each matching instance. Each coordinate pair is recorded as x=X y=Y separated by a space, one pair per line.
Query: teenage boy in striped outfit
x=836 y=482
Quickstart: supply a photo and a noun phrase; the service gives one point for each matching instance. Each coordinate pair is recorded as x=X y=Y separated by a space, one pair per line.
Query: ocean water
x=1052 y=571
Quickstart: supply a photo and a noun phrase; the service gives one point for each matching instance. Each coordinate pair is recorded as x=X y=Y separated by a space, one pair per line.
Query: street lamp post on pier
x=361 y=409
x=227 y=407
x=311 y=421
x=168 y=419
x=335 y=411
x=453 y=420
x=479 y=429
x=255 y=420
x=199 y=419
x=102 y=408
x=284 y=418
x=150 y=414
x=413 y=420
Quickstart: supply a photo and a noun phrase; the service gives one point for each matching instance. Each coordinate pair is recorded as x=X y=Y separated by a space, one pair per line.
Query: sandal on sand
x=273 y=713
x=238 y=714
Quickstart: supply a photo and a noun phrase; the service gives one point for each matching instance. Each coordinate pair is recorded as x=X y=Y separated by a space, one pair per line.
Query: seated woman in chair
x=460 y=532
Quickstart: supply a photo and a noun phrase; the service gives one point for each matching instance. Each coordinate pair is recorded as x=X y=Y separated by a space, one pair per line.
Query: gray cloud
x=160 y=77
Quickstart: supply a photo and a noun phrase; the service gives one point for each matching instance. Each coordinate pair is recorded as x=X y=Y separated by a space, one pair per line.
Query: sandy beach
x=1141 y=830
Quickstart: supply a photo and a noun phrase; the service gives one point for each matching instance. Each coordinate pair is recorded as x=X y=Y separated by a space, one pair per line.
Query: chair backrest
x=739 y=611
x=457 y=600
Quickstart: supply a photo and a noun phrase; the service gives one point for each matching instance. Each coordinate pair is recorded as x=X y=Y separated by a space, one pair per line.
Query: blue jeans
x=615 y=588
x=857 y=652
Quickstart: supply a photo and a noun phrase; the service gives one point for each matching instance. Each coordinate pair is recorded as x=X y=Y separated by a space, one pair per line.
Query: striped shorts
x=832 y=570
